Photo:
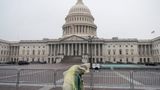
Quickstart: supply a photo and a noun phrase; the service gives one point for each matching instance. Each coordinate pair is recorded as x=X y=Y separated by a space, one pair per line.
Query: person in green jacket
x=73 y=77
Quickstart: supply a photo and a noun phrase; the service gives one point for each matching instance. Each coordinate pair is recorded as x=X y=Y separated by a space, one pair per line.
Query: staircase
x=72 y=59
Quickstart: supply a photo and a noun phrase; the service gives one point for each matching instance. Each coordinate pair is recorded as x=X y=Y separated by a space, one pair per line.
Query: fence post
x=91 y=80
x=18 y=78
x=131 y=81
x=55 y=74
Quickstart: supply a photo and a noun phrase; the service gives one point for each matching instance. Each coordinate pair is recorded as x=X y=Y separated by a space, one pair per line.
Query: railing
x=120 y=78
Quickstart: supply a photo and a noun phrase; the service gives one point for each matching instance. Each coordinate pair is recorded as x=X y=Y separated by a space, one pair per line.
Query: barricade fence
x=105 y=78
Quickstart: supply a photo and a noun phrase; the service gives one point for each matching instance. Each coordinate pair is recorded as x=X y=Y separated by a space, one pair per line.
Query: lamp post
x=90 y=51
x=90 y=60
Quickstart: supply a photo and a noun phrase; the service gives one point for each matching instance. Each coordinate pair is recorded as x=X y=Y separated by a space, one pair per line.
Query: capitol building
x=79 y=43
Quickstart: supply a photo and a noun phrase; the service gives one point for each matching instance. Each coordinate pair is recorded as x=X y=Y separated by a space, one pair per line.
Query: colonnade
x=145 y=50
x=14 y=53
x=79 y=29
x=145 y=53
x=75 y=49
x=14 y=50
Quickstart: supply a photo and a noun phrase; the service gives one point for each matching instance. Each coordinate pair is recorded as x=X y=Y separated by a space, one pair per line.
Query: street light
x=90 y=50
x=90 y=60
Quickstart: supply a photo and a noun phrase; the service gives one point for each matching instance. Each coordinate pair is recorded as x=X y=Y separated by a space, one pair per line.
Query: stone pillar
x=83 y=48
x=79 y=48
x=87 y=48
x=61 y=49
x=12 y=50
x=56 y=49
x=75 y=48
x=15 y=51
x=85 y=31
x=95 y=50
x=144 y=50
x=150 y=50
x=99 y=49
x=141 y=49
x=68 y=50
x=64 y=49
x=51 y=50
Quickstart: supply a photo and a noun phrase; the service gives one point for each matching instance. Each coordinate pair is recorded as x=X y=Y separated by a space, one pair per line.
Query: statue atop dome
x=79 y=2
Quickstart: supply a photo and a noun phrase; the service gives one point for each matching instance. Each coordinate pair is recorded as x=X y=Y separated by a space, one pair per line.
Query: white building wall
x=156 y=51
x=33 y=52
x=121 y=52
x=4 y=52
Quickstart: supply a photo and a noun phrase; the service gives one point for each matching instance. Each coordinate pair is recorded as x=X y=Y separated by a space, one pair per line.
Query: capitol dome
x=79 y=21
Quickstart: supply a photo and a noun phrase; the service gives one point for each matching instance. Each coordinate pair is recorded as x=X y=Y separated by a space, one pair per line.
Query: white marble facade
x=80 y=39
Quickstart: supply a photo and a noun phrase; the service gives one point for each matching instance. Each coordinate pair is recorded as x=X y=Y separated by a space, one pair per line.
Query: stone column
x=79 y=48
x=99 y=52
x=13 y=51
x=51 y=49
x=17 y=51
x=141 y=50
x=83 y=48
x=150 y=50
x=144 y=50
x=64 y=48
x=87 y=48
x=85 y=31
x=95 y=50
x=61 y=48
x=56 y=49
x=68 y=50
x=75 y=48
x=79 y=29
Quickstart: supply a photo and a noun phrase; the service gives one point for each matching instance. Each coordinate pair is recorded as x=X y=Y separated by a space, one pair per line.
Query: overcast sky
x=38 y=19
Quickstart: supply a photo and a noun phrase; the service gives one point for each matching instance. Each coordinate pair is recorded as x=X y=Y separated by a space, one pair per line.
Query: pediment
x=74 y=38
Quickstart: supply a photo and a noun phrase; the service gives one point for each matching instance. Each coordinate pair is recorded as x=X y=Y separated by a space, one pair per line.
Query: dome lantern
x=79 y=2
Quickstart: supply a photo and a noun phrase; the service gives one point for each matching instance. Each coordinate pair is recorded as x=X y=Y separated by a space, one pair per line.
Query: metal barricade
x=130 y=79
x=9 y=77
x=146 y=79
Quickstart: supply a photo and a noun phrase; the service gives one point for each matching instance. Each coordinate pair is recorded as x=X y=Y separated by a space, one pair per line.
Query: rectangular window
x=33 y=52
x=114 y=52
x=109 y=52
x=120 y=52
